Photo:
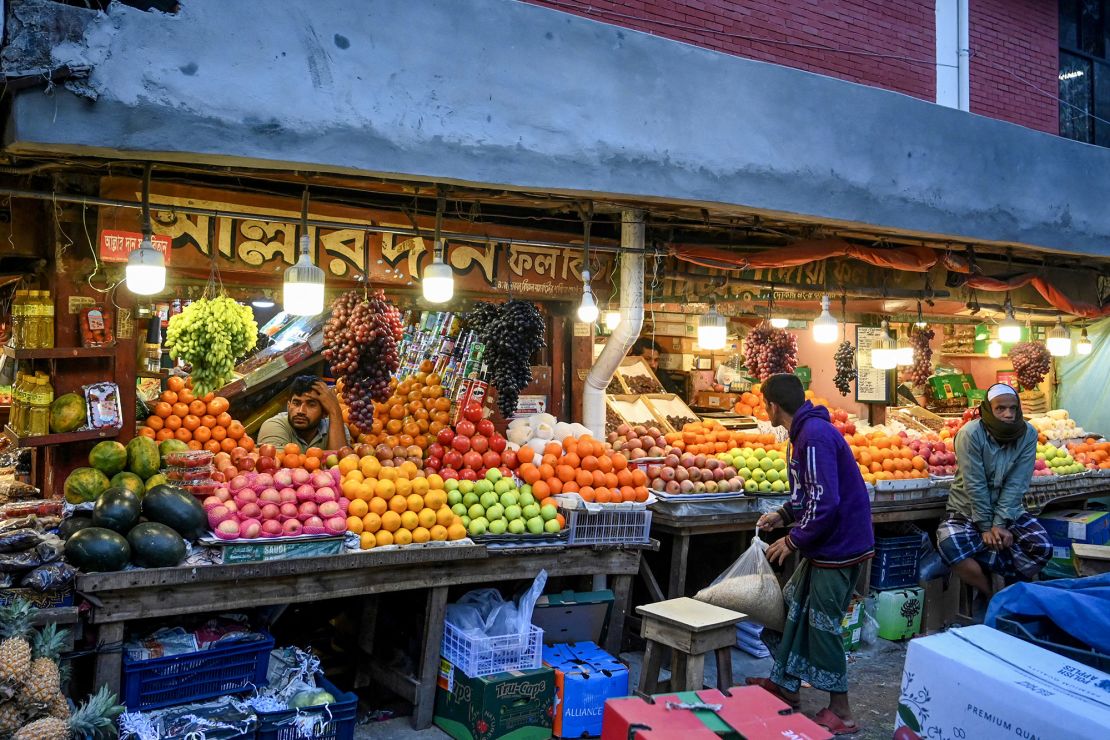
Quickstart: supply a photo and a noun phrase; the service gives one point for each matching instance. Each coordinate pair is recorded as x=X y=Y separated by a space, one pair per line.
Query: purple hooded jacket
x=829 y=507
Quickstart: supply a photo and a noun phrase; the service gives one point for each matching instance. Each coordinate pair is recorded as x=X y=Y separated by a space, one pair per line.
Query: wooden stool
x=691 y=629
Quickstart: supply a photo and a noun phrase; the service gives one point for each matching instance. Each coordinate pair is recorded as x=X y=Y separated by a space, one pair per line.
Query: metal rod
x=147 y=228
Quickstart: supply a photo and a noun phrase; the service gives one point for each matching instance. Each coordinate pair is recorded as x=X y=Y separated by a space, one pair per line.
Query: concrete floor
x=875 y=675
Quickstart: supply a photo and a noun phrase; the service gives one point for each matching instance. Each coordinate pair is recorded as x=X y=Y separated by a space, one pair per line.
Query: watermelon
x=97 y=550
x=117 y=509
x=109 y=457
x=130 y=481
x=72 y=524
x=156 y=480
x=85 y=484
x=67 y=413
x=142 y=457
x=155 y=545
x=177 y=509
x=168 y=446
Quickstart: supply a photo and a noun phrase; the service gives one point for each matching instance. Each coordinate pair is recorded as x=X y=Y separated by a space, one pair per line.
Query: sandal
x=832 y=722
x=773 y=688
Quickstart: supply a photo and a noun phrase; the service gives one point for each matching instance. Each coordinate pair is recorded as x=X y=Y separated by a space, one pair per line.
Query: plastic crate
x=485 y=656
x=895 y=562
x=334 y=721
x=612 y=526
x=1046 y=634
x=223 y=669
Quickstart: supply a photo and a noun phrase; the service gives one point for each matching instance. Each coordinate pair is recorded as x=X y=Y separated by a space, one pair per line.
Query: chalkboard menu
x=872 y=386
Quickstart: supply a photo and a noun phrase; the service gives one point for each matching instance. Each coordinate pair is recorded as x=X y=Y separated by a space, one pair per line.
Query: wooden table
x=117 y=598
x=681 y=529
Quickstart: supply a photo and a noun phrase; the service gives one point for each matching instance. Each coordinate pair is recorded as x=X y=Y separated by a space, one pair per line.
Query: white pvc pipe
x=627 y=331
x=964 y=58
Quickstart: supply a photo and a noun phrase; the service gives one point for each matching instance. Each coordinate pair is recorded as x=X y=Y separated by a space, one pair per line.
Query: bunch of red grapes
x=1031 y=363
x=360 y=343
x=922 y=368
x=845 y=367
x=768 y=351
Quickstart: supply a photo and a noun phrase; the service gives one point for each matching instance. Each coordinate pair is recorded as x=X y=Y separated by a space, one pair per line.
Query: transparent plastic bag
x=484 y=613
x=749 y=586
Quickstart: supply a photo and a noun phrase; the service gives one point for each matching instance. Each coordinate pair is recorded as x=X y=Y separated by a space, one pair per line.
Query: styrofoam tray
x=915 y=484
x=574 y=501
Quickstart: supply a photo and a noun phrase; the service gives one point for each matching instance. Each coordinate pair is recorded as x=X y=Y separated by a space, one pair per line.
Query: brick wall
x=1015 y=39
x=792 y=32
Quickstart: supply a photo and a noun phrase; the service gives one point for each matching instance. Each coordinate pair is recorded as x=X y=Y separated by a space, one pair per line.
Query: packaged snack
x=39 y=508
x=96 y=326
x=190 y=475
x=49 y=577
x=19 y=540
x=104 y=405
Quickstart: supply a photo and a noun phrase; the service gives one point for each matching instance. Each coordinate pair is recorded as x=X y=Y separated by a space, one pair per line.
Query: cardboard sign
x=117 y=246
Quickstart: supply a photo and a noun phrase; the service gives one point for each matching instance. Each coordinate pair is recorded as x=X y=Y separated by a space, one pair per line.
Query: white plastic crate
x=611 y=526
x=485 y=656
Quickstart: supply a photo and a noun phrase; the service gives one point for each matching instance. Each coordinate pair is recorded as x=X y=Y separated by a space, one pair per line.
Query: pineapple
x=95 y=718
x=58 y=706
x=11 y=718
x=15 y=650
x=43 y=679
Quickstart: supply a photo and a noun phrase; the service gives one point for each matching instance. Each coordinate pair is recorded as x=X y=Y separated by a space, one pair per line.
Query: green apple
x=535 y=525
x=454 y=497
x=483 y=486
x=759 y=475
x=759 y=454
x=476 y=511
x=751 y=486
x=766 y=464
x=517 y=526
x=466 y=486
x=477 y=527
x=548 y=512
x=531 y=511
x=498 y=526
x=512 y=512
x=765 y=487
x=773 y=475
x=469 y=499
x=450 y=485
x=502 y=486
x=493 y=475
x=780 y=464
x=489 y=498
x=525 y=489
x=526 y=498
x=509 y=498
x=495 y=512
x=551 y=526
x=751 y=463
x=778 y=486
x=465 y=521
x=459 y=509
x=745 y=473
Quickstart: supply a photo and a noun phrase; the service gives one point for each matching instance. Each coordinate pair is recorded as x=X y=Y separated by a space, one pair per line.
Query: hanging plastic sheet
x=1083 y=390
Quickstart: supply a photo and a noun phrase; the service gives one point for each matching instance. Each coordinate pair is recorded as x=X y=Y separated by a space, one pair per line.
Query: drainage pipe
x=627 y=331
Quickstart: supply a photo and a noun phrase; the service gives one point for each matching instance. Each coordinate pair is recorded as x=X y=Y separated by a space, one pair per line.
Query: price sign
x=872 y=386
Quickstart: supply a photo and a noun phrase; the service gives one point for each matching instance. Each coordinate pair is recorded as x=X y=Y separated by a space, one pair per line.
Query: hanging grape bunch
x=768 y=351
x=922 y=368
x=210 y=335
x=845 y=359
x=1031 y=363
x=360 y=343
x=511 y=333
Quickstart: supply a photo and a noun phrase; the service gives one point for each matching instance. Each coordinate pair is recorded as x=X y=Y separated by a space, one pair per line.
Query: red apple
x=246 y=463
x=479 y=443
x=267 y=451
x=461 y=443
x=445 y=436
x=485 y=427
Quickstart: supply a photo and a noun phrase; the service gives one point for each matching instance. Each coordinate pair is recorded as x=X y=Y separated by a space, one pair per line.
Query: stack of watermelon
x=134 y=467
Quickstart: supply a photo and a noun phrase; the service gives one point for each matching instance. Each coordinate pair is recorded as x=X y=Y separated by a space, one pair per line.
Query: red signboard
x=116 y=246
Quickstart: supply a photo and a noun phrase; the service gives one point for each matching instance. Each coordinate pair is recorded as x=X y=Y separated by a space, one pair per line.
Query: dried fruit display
x=1031 y=363
x=922 y=368
x=360 y=342
x=641 y=384
x=768 y=351
x=845 y=359
x=678 y=422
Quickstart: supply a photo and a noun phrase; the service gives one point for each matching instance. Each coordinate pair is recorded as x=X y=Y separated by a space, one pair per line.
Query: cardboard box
x=977 y=682
x=851 y=627
x=951 y=386
x=585 y=677
x=1075 y=525
x=573 y=616
x=713 y=400
x=256 y=551
x=516 y=703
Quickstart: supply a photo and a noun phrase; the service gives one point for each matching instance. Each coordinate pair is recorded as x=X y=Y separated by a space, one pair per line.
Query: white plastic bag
x=749 y=586
x=484 y=613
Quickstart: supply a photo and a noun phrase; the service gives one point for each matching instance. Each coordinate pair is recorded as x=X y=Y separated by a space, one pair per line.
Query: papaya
x=67 y=413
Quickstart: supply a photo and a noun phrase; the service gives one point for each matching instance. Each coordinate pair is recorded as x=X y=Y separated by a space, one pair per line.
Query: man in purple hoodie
x=831 y=516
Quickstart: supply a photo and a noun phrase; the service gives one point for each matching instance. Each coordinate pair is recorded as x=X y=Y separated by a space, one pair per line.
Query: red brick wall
x=1013 y=39
x=905 y=29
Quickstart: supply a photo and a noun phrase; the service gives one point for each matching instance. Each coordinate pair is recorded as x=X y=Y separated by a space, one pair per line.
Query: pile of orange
x=751 y=403
x=395 y=506
x=291 y=456
x=415 y=413
x=585 y=466
x=710 y=438
x=1091 y=452
x=886 y=458
x=201 y=422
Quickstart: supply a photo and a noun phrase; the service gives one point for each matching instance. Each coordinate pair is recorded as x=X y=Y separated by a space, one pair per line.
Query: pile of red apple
x=937 y=455
x=286 y=503
x=638 y=442
x=841 y=421
x=470 y=449
x=693 y=474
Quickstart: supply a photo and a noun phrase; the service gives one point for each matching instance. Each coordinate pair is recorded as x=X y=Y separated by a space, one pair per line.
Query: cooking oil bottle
x=41 y=397
x=19 y=318
x=15 y=417
x=32 y=323
x=46 y=316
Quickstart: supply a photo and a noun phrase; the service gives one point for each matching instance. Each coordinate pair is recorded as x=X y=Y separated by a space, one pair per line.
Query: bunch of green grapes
x=210 y=335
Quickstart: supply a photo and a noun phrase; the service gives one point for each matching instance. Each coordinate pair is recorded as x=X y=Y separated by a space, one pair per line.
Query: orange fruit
x=225 y=419
x=311 y=464
x=202 y=434
x=162 y=435
x=218 y=405
x=194 y=445
x=163 y=409
x=175 y=383
x=384 y=537
x=438 y=533
x=227 y=445
x=190 y=422
x=584 y=478
x=169 y=397
x=421 y=534
x=235 y=430
x=456 y=532
x=208 y=421
x=197 y=408
x=154 y=422
x=147 y=432
x=415 y=502
x=525 y=454
x=398 y=504
x=620 y=462
x=219 y=434
x=180 y=409
x=183 y=434
x=434 y=500
x=402 y=537
x=246 y=443
x=427 y=518
x=391 y=521
x=354 y=524
x=555 y=485
x=311 y=451
x=444 y=516
x=378 y=506
x=540 y=489
x=410 y=520
x=173 y=423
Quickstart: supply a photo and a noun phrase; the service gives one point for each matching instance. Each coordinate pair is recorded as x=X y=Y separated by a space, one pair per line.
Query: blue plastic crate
x=895 y=562
x=225 y=668
x=331 y=722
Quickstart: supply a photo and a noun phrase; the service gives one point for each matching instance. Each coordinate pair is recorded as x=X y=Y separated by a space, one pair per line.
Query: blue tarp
x=1078 y=606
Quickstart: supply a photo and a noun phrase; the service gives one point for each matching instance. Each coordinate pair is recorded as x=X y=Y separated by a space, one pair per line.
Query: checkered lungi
x=958 y=539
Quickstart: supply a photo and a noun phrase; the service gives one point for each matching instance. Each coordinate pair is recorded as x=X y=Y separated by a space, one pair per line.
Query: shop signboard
x=872 y=386
x=117 y=245
x=261 y=235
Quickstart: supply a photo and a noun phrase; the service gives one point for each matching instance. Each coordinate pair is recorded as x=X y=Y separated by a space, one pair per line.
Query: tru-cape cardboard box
x=516 y=704
x=585 y=677
x=980 y=683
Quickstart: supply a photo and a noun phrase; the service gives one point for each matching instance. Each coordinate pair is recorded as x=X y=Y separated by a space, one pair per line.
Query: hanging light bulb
x=146 y=268
x=303 y=287
x=884 y=352
x=262 y=301
x=920 y=323
x=1009 y=330
x=994 y=349
x=438 y=284
x=825 y=327
x=1083 y=346
x=905 y=351
x=1058 y=340
x=612 y=320
x=587 y=309
x=712 y=330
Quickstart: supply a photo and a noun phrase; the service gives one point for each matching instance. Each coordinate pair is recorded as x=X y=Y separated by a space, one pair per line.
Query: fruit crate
x=329 y=722
x=223 y=669
x=895 y=562
x=1042 y=632
x=485 y=656
x=611 y=526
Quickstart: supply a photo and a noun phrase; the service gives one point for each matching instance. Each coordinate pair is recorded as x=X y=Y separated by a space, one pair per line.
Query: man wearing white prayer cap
x=988 y=529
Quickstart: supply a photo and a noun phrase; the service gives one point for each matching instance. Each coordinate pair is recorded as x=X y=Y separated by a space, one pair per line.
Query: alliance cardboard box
x=519 y=704
x=585 y=677
x=977 y=682
x=1075 y=525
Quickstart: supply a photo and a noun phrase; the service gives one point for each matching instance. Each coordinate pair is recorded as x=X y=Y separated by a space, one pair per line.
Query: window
x=1085 y=70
